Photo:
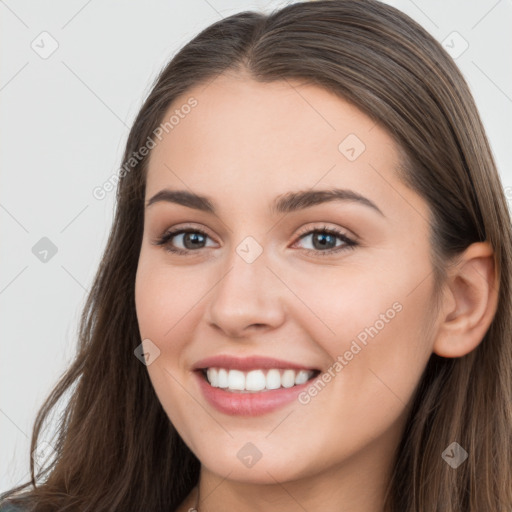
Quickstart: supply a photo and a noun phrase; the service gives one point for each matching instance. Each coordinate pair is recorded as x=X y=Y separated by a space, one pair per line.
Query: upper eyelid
x=324 y=227
x=179 y=230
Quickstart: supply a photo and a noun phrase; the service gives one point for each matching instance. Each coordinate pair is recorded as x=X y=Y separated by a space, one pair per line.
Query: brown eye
x=190 y=239
x=324 y=241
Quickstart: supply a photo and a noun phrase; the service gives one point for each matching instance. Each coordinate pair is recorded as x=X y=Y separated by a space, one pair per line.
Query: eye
x=190 y=238
x=324 y=241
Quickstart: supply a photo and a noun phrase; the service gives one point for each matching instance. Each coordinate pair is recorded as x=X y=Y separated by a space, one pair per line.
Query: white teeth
x=236 y=380
x=213 y=378
x=223 y=378
x=288 y=378
x=302 y=377
x=256 y=380
x=273 y=379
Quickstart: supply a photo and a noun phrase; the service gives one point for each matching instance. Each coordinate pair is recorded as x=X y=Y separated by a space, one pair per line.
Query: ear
x=470 y=302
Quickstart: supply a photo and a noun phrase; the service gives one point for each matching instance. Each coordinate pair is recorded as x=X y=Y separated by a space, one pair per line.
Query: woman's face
x=279 y=274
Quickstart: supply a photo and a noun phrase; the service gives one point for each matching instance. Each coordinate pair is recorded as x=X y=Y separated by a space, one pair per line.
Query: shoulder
x=9 y=507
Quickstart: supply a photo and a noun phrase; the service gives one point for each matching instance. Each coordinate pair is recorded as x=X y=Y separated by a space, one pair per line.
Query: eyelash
x=348 y=242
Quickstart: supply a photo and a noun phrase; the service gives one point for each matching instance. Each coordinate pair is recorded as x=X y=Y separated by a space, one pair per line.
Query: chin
x=266 y=470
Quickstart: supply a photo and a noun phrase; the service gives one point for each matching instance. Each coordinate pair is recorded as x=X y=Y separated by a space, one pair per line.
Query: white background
x=64 y=123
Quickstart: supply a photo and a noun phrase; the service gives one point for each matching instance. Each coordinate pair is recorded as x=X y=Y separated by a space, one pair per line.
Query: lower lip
x=248 y=404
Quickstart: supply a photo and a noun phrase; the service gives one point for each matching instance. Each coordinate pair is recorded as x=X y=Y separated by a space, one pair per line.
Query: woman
x=304 y=302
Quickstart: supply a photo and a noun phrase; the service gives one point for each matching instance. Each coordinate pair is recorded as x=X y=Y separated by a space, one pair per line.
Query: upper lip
x=247 y=363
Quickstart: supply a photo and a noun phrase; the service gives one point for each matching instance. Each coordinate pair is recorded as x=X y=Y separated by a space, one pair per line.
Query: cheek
x=340 y=305
x=167 y=309
x=166 y=300
x=373 y=328
x=379 y=352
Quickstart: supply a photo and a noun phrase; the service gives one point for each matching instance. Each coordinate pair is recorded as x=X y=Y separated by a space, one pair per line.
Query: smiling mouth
x=255 y=381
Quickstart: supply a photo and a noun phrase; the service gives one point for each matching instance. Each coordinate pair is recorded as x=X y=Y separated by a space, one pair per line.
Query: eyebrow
x=286 y=203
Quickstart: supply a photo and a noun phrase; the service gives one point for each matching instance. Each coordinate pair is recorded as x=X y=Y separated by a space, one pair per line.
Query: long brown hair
x=116 y=448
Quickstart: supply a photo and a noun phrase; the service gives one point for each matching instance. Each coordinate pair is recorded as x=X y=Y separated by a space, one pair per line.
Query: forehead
x=246 y=141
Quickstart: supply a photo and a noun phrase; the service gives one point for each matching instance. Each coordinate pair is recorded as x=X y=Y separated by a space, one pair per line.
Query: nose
x=248 y=297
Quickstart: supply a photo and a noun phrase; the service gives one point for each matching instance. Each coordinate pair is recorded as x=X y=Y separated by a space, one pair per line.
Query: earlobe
x=470 y=304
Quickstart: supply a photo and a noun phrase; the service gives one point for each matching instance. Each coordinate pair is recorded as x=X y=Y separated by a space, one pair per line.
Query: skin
x=243 y=145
